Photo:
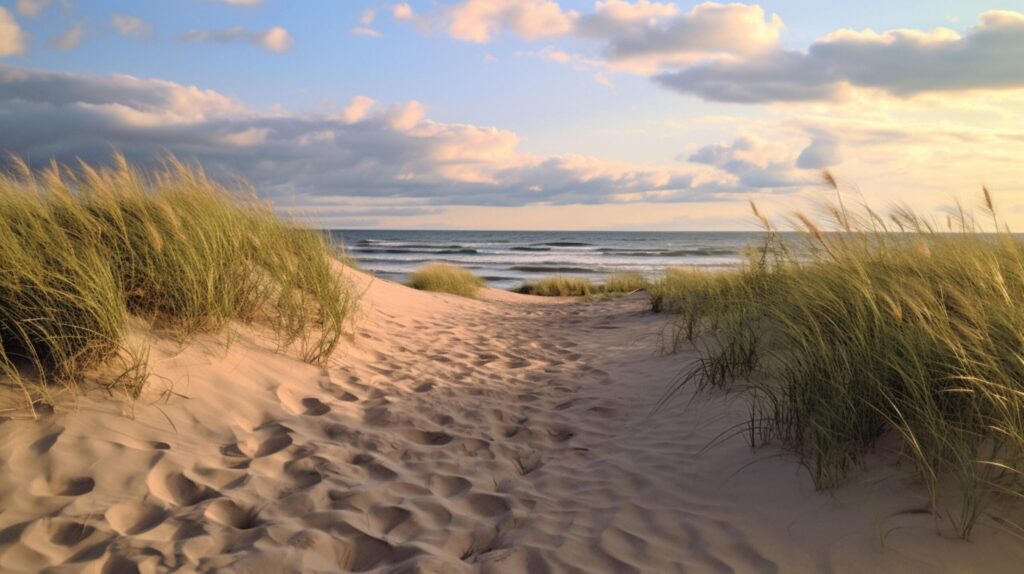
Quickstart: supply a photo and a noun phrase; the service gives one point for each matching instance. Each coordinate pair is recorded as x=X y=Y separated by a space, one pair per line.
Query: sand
x=508 y=434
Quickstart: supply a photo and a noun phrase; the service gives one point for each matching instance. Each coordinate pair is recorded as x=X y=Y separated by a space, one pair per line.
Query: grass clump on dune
x=445 y=278
x=559 y=287
x=884 y=326
x=623 y=282
x=83 y=250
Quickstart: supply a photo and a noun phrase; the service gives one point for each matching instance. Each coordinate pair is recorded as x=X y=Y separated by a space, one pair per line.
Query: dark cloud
x=901 y=62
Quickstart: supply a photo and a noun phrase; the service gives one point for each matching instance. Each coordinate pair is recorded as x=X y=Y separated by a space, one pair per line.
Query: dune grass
x=83 y=250
x=445 y=278
x=625 y=282
x=886 y=326
x=560 y=286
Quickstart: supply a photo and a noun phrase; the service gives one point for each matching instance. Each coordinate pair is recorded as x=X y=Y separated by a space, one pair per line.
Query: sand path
x=510 y=434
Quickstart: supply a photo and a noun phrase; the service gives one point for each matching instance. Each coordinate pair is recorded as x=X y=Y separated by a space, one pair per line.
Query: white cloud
x=899 y=62
x=13 y=40
x=364 y=31
x=481 y=21
x=759 y=164
x=131 y=26
x=276 y=39
x=402 y=12
x=32 y=8
x=358 y=109
x=70 y=38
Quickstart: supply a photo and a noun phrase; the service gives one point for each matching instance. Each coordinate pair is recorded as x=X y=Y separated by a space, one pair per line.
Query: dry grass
x=446 y=278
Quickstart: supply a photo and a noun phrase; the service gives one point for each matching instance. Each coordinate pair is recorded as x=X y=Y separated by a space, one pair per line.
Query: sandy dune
x=511 y=434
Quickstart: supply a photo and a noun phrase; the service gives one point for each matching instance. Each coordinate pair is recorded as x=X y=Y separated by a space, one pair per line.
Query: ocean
x=507 y=259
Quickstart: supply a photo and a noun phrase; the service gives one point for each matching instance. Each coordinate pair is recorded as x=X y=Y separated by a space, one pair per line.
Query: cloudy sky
x=532 y=114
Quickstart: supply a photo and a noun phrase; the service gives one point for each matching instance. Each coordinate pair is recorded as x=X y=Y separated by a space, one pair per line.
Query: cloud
x=131 y=26
x=276 y=39
x=368 y=150
x=32 y=8
x=901 y=63
x=366 y=29
x=481 y=21
x=823 y=152
x=647 y=36
x=70 y=38
x=758 y=164
x=13 y=40
x=402 y=12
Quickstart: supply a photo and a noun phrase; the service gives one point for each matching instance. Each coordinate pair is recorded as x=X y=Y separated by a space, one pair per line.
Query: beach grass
x=83 y=250
x=560 y=286
x=875 y=326
x=625 y=282
x=445 y=278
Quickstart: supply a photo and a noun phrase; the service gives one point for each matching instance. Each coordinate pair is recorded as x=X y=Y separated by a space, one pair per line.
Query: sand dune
x=509 y=434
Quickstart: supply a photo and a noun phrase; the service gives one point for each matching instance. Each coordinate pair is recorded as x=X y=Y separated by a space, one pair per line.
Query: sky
x=532 y=114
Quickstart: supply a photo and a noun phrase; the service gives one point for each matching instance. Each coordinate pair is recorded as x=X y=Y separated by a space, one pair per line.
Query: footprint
x=448 y=486
x=428 y=438
x=488 y=505
x=134 y=517
x=229 y=513
x=176 y=488
x=75 y=486
x=423 y=388
x=314 y=407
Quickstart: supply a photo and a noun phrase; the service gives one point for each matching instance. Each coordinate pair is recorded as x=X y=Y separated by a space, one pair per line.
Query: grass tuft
x=618 y=283
x=880 y=326
x=445 y=278
x=559 y=287
x=82 y=250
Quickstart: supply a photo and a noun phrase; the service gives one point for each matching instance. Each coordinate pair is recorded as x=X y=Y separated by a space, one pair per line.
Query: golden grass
x=445 y=278
x=882 y=326
x=83 y=250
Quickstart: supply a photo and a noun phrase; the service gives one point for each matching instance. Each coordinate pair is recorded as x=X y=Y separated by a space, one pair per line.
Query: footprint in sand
x=487 y=505
x=427 y=438
x=314 y=407
x=448 y=486
x=176 y=488
x=229 y=513
x=134 y=517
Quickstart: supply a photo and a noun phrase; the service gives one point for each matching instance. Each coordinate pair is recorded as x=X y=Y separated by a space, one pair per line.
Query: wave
x=565 y=244
x=409 y=251
x=552 y=269
x=529 y=248
x=693 y=252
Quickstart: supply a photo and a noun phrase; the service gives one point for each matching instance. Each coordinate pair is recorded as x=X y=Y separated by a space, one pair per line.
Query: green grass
x=445 y=278
x=559 y=286
x=885 y=326
x=83 y=250
x=625 y=282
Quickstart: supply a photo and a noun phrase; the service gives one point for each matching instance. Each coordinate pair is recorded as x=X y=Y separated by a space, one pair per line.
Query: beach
x=504 y=434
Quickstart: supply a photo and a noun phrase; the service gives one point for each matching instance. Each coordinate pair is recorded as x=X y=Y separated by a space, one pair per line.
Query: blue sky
x=639 y=138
